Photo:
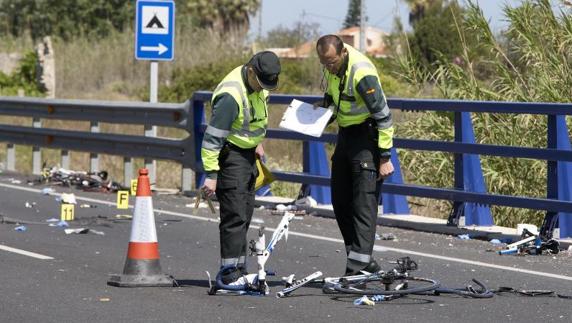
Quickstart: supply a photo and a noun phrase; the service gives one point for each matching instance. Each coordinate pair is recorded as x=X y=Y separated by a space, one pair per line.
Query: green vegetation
x=23 y=79
x=64 y=18
x=531 y=62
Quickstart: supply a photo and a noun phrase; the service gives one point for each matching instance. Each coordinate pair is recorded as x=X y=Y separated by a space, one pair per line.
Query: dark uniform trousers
x=235 y=192
x=355 y=190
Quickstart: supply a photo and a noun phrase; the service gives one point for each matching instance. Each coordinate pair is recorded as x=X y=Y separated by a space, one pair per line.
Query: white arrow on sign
x=159 y=48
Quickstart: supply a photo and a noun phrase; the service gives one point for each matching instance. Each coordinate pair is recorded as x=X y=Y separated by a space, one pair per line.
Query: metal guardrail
x=458 y=195
x=190 y=117
x=135 y=113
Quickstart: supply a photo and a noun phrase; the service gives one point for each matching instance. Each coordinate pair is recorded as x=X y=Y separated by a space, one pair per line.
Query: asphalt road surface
x=49 y=276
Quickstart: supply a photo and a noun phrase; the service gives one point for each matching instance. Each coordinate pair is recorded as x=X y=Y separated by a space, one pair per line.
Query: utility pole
x=362 y=27
x=260 y=21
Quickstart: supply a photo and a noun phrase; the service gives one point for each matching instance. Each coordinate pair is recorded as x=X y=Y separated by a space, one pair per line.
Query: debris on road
x=62 y=224
x=48 y=191
x=531 y=244
x=87 y=181
x=68 y=198
x=88 y=206
x=364 y=300
x=83 y=231
x=21 y=228
x=385 y=236
x=306 y=201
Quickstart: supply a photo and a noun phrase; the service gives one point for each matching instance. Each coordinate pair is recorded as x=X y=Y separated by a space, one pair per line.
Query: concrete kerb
x=411 y=222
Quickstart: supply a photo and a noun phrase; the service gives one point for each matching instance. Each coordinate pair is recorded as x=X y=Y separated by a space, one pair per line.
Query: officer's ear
x=344 y=52
x=253 y=83
x=250 y=72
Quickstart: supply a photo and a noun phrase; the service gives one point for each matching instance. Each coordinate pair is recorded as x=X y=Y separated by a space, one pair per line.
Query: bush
x=24 y=78
x=203 y=77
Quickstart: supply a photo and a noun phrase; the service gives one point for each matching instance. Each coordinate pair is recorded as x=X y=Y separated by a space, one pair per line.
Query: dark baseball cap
x=266 y=66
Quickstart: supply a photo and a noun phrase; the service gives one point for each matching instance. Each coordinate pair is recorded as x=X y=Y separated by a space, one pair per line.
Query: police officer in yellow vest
x=231 y=144
x=361 y=159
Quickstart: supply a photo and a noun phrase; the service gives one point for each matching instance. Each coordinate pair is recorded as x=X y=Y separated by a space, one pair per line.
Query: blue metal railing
x=556 y=154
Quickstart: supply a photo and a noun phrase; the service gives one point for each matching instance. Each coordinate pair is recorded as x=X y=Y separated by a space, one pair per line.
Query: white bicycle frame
x=263 y=253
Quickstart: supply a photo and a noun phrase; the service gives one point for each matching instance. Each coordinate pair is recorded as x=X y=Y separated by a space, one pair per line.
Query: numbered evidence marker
x=67 y=212
x=133 y=187
x=122 y=199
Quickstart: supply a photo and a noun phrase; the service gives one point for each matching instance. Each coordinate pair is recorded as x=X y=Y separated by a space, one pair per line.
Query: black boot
x=371 y=267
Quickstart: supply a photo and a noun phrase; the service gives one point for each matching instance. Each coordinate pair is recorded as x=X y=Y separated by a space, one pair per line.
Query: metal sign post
x=154 y=41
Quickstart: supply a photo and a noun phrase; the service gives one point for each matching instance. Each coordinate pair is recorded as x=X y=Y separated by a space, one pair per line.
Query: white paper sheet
x=304 y=118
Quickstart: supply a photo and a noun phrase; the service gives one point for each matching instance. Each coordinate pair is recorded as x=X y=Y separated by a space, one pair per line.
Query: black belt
x=236 y=148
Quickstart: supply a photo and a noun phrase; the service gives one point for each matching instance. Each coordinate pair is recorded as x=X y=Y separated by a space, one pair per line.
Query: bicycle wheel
x=409 y=285
x=468 y=291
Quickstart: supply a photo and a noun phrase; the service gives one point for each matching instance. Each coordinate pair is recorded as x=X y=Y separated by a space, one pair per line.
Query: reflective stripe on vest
x=245 y=106
x=355 y=110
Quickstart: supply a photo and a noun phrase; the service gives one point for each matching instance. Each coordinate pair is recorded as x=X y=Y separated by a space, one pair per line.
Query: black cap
x=266 y=66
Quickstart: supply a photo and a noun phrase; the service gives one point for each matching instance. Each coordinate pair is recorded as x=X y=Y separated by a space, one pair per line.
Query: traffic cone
x=142 y=267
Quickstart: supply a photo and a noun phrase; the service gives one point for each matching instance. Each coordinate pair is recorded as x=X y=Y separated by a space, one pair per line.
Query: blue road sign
x=155 y=30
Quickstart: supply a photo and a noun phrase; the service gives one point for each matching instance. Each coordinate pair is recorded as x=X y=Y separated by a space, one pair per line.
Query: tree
x=353 y=15
x=291 y=37
x=435 y=35
x=417 y=9
x=64 y=18
x=223 y=15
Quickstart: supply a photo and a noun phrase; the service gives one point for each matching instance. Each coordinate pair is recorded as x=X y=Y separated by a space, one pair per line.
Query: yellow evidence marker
x=67 y=212
x=122 y=199
x=133 y=187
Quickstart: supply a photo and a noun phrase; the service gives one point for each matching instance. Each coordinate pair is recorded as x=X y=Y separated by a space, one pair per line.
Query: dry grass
x=107 y=69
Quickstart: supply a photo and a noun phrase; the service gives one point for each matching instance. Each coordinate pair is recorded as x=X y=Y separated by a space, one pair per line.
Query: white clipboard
x=302 y=117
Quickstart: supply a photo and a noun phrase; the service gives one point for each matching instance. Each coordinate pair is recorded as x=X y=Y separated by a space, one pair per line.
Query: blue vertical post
x=315 y=162
x=551 y=218
x=198 y=120
x=564 y=178
x=458 y=207
x=392 y=203
x=473 y=181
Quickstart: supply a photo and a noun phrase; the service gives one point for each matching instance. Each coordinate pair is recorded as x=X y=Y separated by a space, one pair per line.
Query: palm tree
x=224 y=15
x=417 y=9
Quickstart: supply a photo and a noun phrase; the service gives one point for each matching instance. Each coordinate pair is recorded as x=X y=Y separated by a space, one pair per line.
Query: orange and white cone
x=142 y=267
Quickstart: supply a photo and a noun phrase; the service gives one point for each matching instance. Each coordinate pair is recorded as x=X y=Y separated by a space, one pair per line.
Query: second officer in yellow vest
x=230 y=147
x=362 y=156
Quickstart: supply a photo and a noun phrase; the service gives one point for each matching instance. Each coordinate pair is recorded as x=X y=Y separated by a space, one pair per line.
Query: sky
x=330 y=14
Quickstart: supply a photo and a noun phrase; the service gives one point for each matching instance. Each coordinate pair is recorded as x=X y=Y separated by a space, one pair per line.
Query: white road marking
x=322 y=238
x=25 y=253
